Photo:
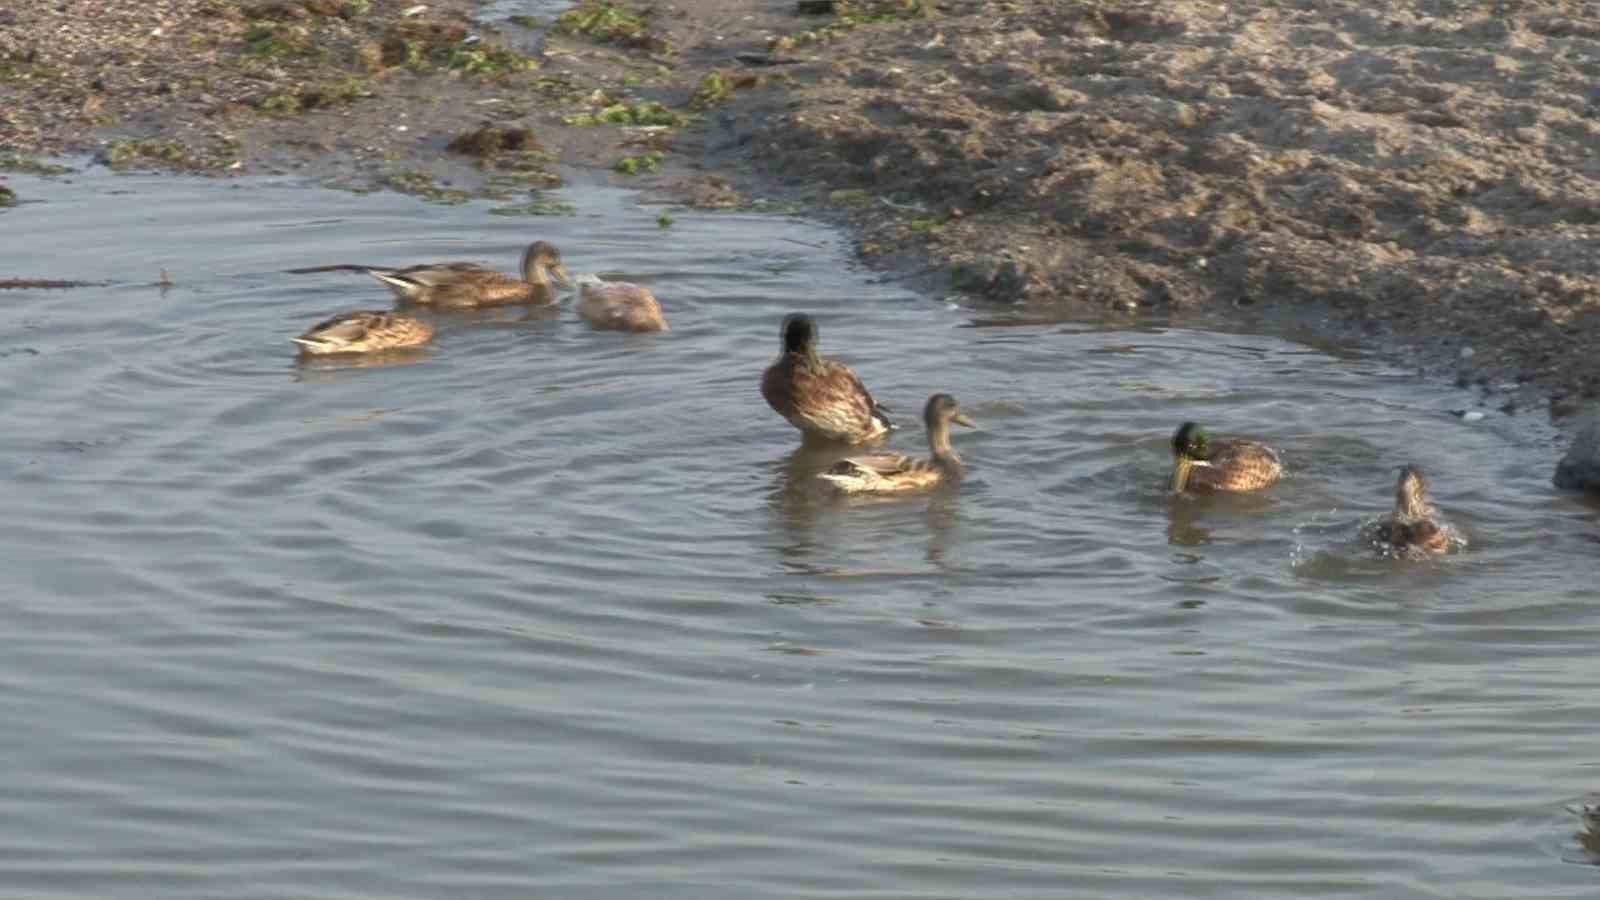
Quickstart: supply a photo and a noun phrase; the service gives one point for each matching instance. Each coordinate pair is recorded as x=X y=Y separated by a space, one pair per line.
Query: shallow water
x=548 y=611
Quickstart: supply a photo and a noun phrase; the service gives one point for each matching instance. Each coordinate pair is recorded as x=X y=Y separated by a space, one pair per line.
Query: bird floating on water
x=821 y=397
x=1233 y=464
x=1414 y=527
x=364 y=331
x=883 y=473
x=618 y=305
x=467 y=284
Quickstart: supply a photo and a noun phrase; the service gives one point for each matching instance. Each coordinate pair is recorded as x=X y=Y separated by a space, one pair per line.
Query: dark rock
x=1043 y=95
x=486 y=141
x=282 y=12
x=815 y=7
x=1579 y=470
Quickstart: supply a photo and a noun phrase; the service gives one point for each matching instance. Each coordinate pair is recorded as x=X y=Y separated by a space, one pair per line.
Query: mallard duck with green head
x=1201 y=463
x=887 y=473
x=821 y=397
x=364 y=331
x=465 y=284
x=1414 y=526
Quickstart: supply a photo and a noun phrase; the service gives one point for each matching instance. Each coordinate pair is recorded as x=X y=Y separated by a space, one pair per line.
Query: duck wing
x=839 y=403
x=1240 y=465
x=350 y=329
x=875 y=410
x=882 y=473
x=357 y=267
x=437 y=274
x=878 y=464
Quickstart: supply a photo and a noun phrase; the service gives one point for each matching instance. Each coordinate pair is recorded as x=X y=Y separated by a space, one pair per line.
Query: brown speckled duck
x=464 y=284
x=364 y=331
x=821 y=397
x=885 y=473
x=1235 y=464
x=618 y=305
x=1414 y=526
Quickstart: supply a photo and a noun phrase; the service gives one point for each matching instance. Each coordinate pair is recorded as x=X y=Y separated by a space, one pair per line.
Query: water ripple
x=544 y=611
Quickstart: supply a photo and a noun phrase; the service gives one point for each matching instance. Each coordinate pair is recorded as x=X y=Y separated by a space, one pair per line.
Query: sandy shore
x=1427 y=180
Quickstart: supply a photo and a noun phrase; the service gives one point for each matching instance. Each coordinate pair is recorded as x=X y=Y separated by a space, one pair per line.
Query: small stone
x=1468 y=353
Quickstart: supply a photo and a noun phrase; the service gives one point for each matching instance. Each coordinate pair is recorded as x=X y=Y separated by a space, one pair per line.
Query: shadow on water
x=551 y=611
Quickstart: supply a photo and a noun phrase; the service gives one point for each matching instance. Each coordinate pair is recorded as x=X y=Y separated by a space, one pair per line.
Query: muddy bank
x=1424 y=171
x=365 y=94
x=1421 y=173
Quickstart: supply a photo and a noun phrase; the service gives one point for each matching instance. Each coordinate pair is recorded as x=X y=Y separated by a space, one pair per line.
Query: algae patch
x=718 y=86
x=609 y=23
x=634 y=165
x=131 y=152
x=537 y=206
x=27 y=166
x=425 y=46
x=649 y=113
x=421 y=184
x=319 y=96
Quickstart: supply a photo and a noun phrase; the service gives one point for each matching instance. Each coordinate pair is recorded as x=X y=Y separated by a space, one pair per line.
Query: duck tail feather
x=340 y=267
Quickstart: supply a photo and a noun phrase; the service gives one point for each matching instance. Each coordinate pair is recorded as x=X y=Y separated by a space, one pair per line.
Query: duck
x=887 y=473
x=464 y=284
x=618 y=305
x=1414 y=526
x=364 y=331
x=1231 y=464
x=821 y=397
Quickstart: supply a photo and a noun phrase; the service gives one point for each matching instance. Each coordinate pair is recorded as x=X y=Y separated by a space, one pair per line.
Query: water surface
x=551 y=612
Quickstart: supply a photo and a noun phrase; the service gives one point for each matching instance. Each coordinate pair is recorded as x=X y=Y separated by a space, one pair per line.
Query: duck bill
x=562 y=278
x=961 y=419
x=1181 y=467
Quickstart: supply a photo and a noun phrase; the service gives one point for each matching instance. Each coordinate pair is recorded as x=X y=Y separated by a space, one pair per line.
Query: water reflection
x=942 y=519
x=1183 y=529
x=797 y=496
x=509 y=314
x=817 y=521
